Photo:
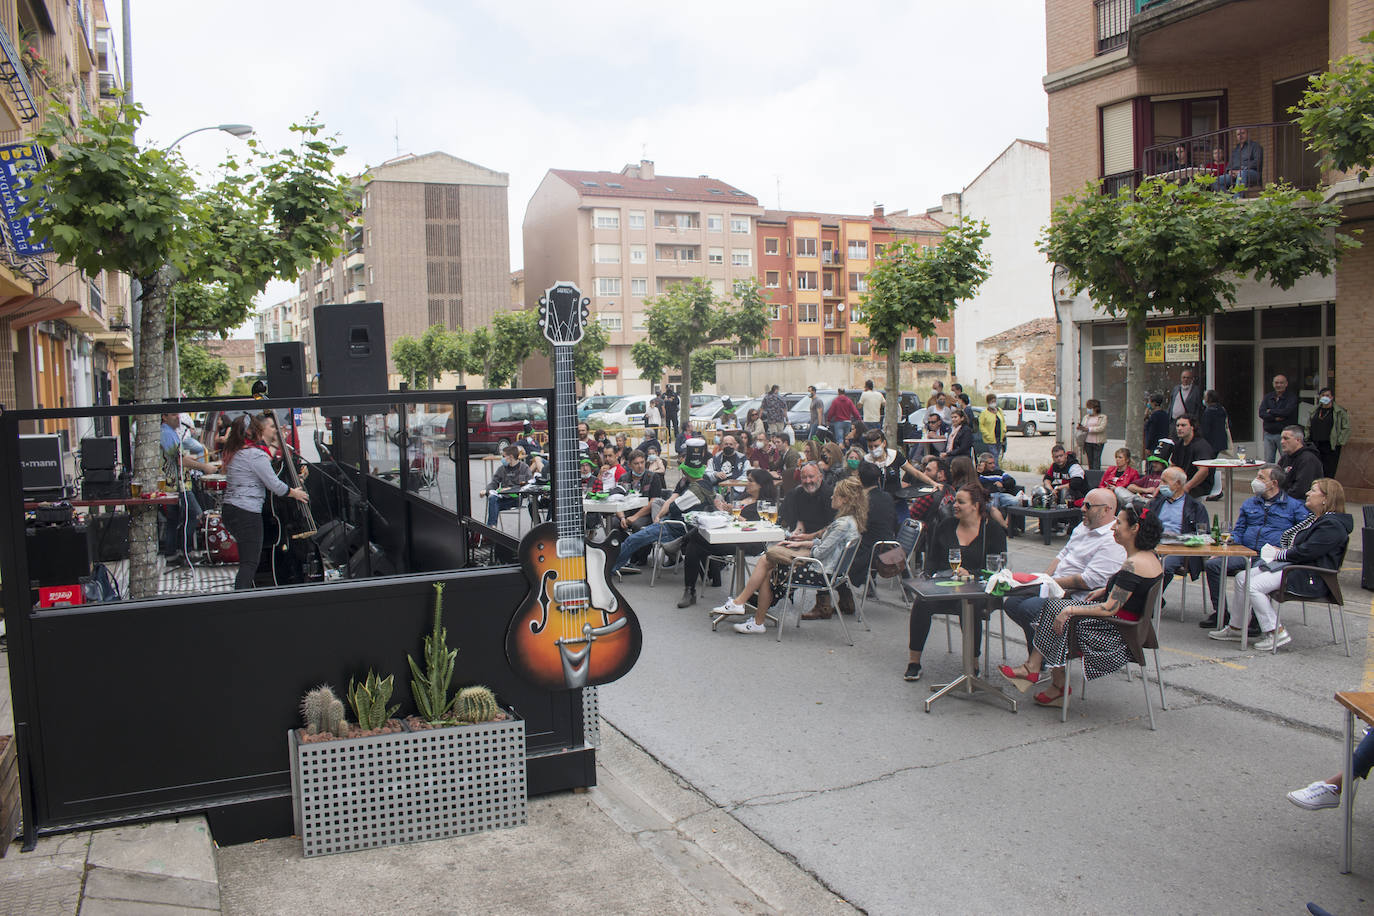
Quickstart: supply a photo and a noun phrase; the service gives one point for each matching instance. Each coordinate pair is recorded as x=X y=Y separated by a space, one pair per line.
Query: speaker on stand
x=285 y=369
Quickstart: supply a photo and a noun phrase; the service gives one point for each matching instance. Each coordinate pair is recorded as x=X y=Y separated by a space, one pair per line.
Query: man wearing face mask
x=1263 y=518
x=511 y=474
x=729 y=464
x=1179 y=513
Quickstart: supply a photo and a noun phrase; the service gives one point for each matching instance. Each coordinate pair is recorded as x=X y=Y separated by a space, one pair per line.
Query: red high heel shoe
x=1022 y=683
x=1044 y=699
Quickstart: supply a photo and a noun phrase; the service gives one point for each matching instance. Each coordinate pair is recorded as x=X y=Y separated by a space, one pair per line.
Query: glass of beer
x=135 y=488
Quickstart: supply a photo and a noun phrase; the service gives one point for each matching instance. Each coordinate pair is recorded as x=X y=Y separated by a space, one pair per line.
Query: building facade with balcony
x=626 y=236
x=814 y=268
x=1143 y=87
x=431 y=242
x=64 y=335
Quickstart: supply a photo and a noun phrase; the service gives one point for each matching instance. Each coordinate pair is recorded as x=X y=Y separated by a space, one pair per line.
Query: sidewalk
x=641 y=841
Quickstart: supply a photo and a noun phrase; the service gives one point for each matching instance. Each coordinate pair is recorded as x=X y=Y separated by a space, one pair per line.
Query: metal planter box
x=357 y=793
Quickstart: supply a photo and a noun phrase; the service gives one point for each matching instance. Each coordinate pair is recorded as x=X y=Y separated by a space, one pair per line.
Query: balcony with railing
x=831 y=257
x=19 y=101
x=85 y=38
x=1283 y=157
x=1113 y=23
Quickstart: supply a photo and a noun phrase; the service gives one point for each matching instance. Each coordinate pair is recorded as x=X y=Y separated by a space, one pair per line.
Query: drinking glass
x=1240 y=453
x=135 y=489
x=955 y=555
x=996 y=561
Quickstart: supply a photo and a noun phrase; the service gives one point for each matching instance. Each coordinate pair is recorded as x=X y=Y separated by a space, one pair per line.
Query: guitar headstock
x=563 y=312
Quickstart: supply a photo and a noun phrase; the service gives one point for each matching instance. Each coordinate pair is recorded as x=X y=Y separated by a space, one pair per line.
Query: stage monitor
x=40 y=463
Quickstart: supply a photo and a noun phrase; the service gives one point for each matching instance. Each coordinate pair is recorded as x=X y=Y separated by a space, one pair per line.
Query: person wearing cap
x=1146 y=486
x=692 y=491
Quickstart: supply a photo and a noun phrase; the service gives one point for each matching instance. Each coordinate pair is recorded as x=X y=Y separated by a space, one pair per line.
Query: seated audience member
x=639 y=480
x=782 y=457
x=1217 y=167
x=976 y=536
x=1326 y=793
x=1263 y=518
x=881 y=523
x=1300 y=462
x=512 y=474
x=1101 y=643
x=753 y=448
x=1146 y=486
x=1179 y=513
x=697 y=552
x=963 y=474
x=1190 y=448
x=1245 y=166
x=832 y=463
x=586 y=469
x=927 y=508
x=1318 y=540
x=1083 y=565
x=609 y=471
x=770 y=575
x=693 y=491
x=753 y=424
x=1120 y=476
x=1065 y=477
x=729 y=463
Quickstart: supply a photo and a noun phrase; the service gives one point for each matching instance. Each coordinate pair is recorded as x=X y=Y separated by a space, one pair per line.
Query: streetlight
x=238 y=130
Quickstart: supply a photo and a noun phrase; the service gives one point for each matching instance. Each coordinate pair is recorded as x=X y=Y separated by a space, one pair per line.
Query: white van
x=1028 y=413
x=628 y=411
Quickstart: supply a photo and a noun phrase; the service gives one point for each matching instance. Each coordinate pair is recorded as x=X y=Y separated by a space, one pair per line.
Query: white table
x=611 y=507
x=735 y=533
x=1228 y=466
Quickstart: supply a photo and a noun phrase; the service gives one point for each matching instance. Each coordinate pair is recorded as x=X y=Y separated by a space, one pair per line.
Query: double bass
x=573 y=629
x=294 y=521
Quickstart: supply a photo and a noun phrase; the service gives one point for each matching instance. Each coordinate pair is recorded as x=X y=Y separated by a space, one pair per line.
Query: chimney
x=953 y=204
x=646 y=170
x=877 y=211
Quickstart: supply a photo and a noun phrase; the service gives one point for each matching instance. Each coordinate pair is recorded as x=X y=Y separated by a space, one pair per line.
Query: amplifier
x=98 y=475
x=58 y=555
x=115 y=489
x=107 y=536
x=99 y=452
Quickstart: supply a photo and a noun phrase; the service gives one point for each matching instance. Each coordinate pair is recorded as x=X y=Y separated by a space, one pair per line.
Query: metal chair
x=1333 y=600
x=831 y=583
x=669 y=530
x=913 y=528
x=1138 y=635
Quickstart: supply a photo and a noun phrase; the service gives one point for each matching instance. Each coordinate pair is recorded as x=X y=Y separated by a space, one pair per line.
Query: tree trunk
x=151 y=377
x=894 y=375
x=684 y=411
x=1135 y=386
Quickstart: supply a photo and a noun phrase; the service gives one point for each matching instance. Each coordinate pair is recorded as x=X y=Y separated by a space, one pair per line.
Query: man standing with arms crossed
x=1278 y=409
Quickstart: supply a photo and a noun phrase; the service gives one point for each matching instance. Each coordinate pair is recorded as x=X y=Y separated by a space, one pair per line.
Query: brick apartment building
x=63 y=335
x=1131 y=80
x=431 y=243
x=813 y=268
x=626 y=236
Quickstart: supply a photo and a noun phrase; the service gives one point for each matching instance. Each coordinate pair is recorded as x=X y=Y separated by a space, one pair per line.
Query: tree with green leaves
x=499 y=350
x=704 y=364
x=1337 y=113
x=203 y=373
x=650 y=360
x=429 y=356
x=109 y=204
x=688 y=317
x=914 y=286
x=1178 y=249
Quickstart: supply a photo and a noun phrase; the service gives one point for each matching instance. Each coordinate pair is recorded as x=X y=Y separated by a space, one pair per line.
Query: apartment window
x=806 y=279
x=739 y=224
x=770 y=279
x=636 y=219
x=663 y=284
x=858 y=283
x=806 y=312
x=639 y=254
x=859 y=347
x=688 y=254
x=742 y=257
x=609 y=321
x=608 y=286
x=715 y=223
x=637 y=321
x=770 y=246
x=808 y=346
x=365 y=200
x=605 y=219
x=670 y=220
x=639 y=287
x=878 y=251
x=715 y=256
x=858 y=250
x=806 y=248
x=606 y=254
x=911 y=344
x=942 y=345
x=1118 y=142
x=367 y=237
x=774 y=311
x=775 y=345
x=857 y=315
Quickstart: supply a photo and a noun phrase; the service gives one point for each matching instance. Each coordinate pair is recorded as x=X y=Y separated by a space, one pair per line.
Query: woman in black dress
x=1104 y=651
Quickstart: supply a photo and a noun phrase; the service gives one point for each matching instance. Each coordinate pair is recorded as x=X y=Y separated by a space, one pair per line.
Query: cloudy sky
x=816 y=106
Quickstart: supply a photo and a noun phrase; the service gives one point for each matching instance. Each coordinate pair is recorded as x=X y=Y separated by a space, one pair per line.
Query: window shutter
x=1118 y=152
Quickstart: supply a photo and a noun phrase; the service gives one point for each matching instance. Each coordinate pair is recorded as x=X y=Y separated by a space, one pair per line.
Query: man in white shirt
x=1087 y=561
x=870 y=404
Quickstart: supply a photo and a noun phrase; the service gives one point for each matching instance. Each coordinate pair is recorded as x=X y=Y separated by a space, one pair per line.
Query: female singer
x=248 y=471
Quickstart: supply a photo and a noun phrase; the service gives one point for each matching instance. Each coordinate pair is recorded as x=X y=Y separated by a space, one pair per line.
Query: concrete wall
x=752 y=377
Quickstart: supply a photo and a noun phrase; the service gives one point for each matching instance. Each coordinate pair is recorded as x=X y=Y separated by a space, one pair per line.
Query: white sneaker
x=1316 y=796
x=749 y=626
x=1230 y=634
x=729 y=607
x=1266 y=643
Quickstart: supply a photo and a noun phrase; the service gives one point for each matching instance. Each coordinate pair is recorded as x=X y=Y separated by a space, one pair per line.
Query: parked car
x=799 y=416
x=493 y=425
x=1028 y=413
x=701 y=398
x=626 y=411
x=594 y=404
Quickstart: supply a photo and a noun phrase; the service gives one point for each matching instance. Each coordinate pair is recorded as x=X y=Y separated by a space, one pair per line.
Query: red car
x=492 y=425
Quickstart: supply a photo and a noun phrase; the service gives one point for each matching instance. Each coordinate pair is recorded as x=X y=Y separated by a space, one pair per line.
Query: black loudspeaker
x=108 y=536
x=285 y=369
x=360 y=561
x=100 y=453
x=350 y=348
x=40 y=463
x=58 y=555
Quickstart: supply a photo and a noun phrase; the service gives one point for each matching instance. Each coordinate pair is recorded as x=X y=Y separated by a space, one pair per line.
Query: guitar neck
x=567 y=485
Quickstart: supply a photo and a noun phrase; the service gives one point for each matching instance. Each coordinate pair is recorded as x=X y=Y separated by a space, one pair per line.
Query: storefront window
x=1234 y=325
x=1300 y=321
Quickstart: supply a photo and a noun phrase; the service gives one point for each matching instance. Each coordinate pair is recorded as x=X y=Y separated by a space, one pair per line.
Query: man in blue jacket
x=1180 y=513
x=1263 y=519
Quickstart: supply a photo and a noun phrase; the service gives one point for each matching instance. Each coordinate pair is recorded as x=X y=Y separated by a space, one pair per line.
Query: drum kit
x=220 y=546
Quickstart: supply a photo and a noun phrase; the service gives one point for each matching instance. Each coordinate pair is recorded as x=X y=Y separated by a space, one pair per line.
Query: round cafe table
x=1227 y=467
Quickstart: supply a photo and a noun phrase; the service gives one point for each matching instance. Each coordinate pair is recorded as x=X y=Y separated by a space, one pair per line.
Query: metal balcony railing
x=829 y=256
x=1284 y=155
x=1113 y=23
x=13 y=74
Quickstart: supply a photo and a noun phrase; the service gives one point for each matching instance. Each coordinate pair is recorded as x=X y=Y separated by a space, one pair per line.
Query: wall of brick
x=1030 y=349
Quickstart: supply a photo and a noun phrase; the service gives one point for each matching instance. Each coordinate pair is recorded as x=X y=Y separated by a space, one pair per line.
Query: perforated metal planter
x=357 y=793
x=591 y=717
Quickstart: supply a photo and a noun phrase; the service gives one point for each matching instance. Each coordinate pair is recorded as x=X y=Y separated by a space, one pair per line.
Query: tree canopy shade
x=108 y=204
x=1337 y=113
x=1179 y=249
x=914 y=286
x=687 y=318
x=202 y=373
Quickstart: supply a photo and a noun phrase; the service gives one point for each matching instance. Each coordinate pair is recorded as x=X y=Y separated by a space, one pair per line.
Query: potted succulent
x=456 y=767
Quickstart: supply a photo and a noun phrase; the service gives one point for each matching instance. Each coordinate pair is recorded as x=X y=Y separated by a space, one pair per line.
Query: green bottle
x=1216 y=529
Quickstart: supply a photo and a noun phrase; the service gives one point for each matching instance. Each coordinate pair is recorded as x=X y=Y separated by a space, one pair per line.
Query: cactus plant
x=335 y=720
x=368 y=700
x=431 y=688
x=317 y=709
x=475 y=704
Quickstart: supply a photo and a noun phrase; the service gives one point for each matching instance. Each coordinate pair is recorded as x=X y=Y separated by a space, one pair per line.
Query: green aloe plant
x=369 y=698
